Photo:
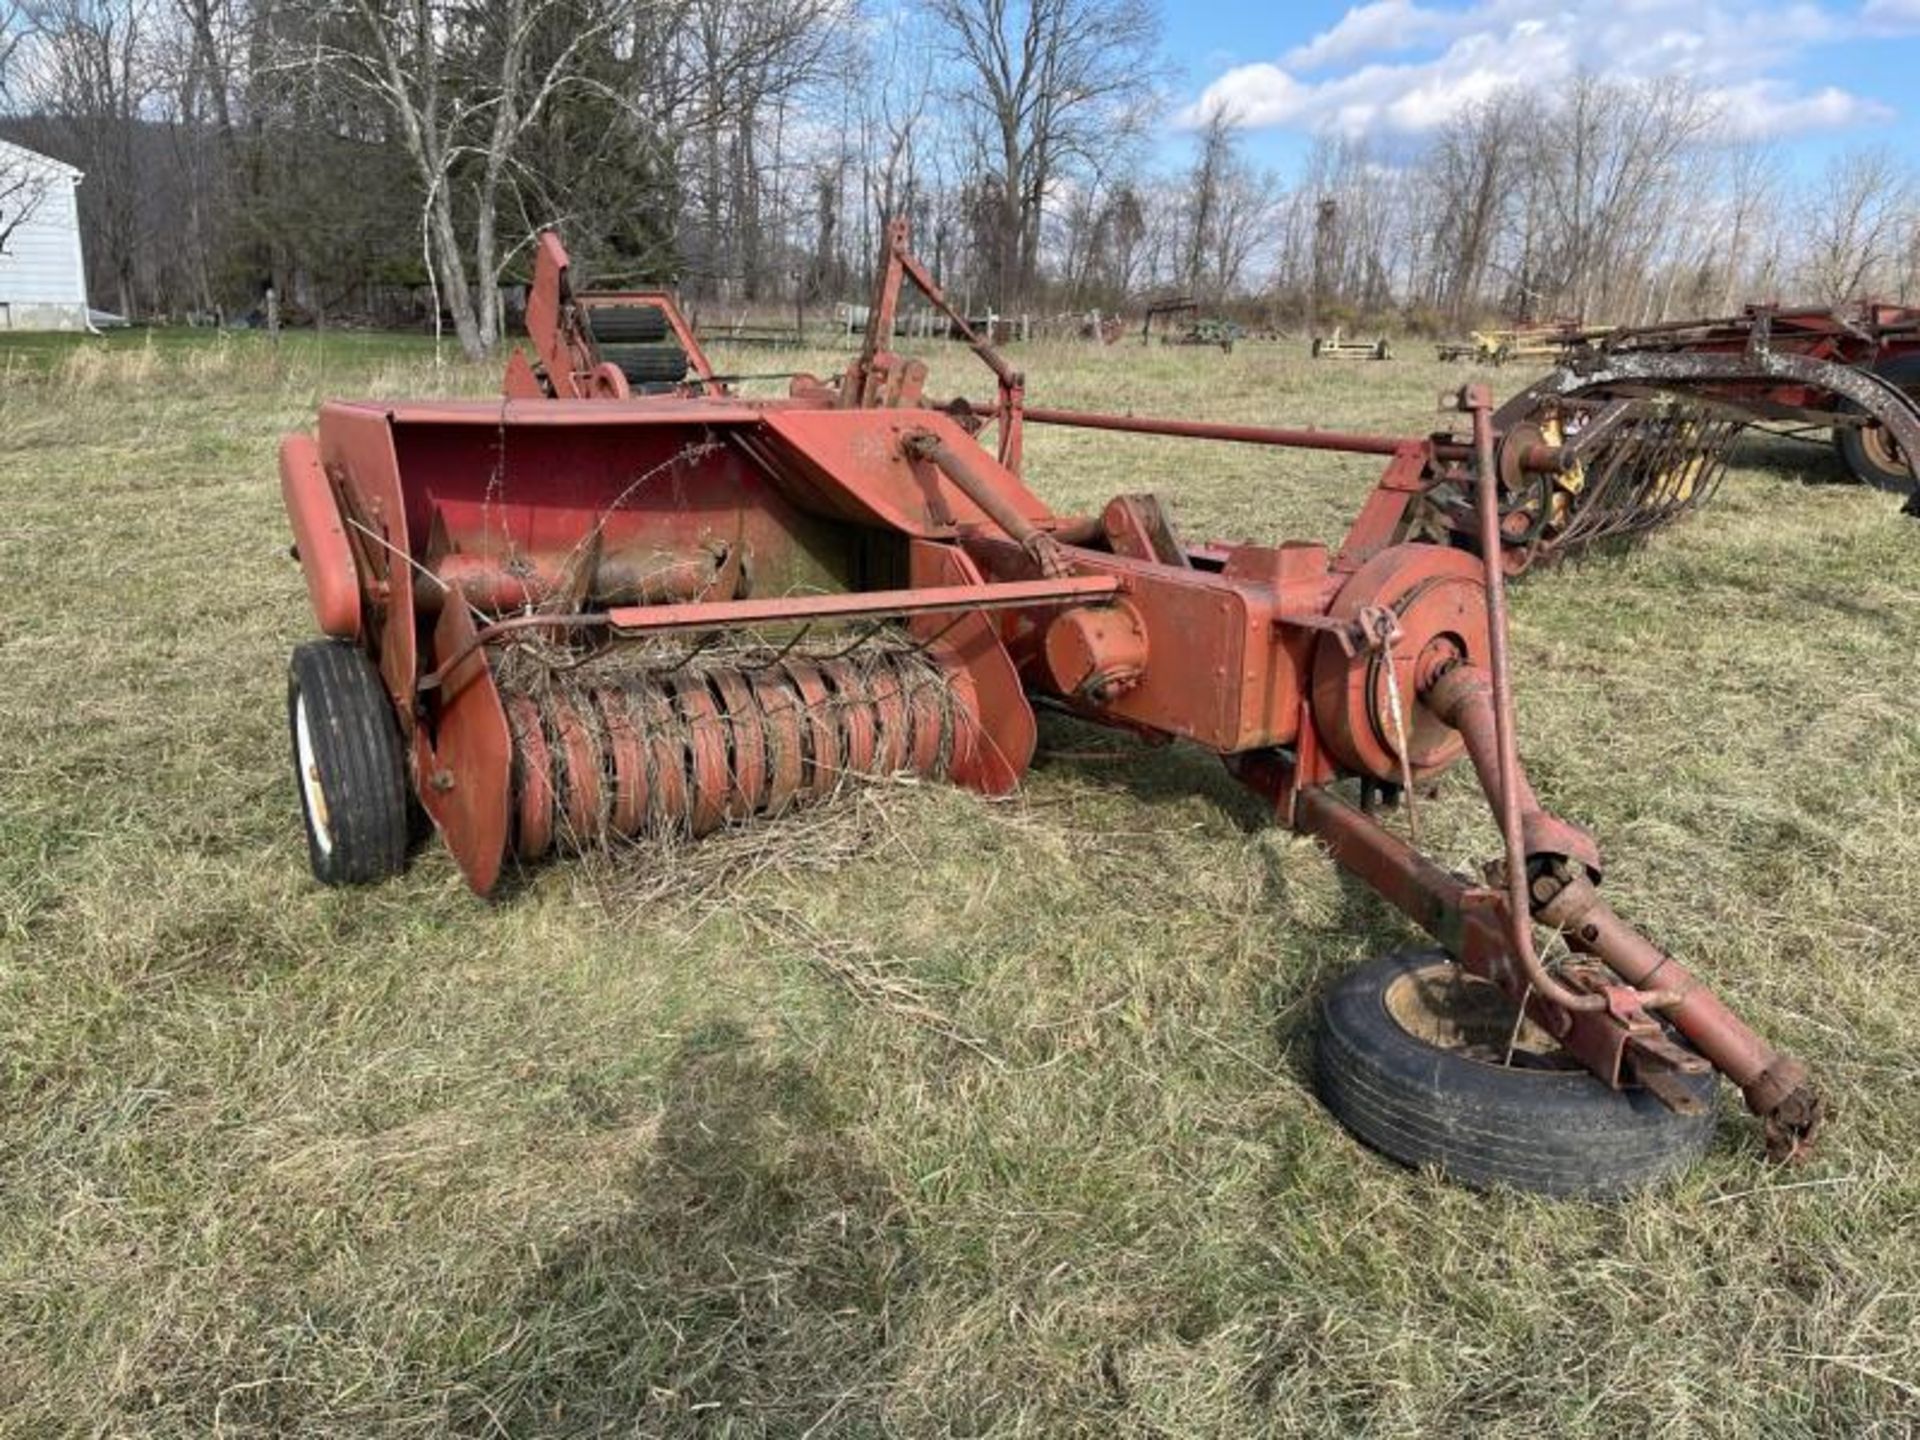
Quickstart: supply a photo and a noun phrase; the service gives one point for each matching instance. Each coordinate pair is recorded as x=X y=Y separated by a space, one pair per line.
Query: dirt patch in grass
x=982 y=1118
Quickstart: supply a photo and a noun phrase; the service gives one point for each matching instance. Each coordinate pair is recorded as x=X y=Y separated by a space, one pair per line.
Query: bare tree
x=91 y=78
x=458 y=81
x=1857 y=225
x=1752 y=189
x=1476 y=162
x=1051 y=84
x=15 y=24
x=348 y=150
x=1228 y=210
x=1205 y=192
x=1612 y=159
x=25 y=183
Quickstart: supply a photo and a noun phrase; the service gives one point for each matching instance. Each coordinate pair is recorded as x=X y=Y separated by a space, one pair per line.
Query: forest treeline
x=390 y=159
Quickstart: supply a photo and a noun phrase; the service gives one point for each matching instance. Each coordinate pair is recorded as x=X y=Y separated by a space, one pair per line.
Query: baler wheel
x=348 y=764
x=1869 y=453
x=1424 y=1064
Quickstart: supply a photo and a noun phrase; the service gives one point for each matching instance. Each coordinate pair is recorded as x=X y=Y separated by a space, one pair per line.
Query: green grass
x=682 y=1154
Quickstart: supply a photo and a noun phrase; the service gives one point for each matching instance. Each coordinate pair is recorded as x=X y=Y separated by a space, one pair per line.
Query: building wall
x=42 y=281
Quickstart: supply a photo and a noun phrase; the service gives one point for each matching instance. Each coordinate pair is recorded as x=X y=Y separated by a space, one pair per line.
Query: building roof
x=11 y=153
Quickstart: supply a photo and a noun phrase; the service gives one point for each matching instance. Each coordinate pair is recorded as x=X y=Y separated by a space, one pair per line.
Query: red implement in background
x=1648 y=416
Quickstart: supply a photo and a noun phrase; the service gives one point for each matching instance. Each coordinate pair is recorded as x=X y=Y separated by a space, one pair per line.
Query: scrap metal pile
x=587 y=612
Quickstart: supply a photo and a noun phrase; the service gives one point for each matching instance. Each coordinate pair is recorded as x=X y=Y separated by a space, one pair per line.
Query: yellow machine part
x=1675 y=484
x=1571 y=481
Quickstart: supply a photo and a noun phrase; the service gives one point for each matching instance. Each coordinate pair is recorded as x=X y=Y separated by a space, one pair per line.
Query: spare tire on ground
x=1423 y=1063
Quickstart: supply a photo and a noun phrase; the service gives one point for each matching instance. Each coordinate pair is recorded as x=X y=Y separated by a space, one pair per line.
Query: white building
x=43 y=280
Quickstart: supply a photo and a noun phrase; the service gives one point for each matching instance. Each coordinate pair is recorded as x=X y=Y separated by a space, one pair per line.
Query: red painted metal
x=879 y=376
x=994 y=729
x=481 y=541
x=627 y=754
x=1537 y=458
x=825 y=760
x=781 y=706
x=878 y=467
x=1294 y=439
x=469 y=726
x=320 y=538
x=533 y=785
x=568 y=364
x=921 y=600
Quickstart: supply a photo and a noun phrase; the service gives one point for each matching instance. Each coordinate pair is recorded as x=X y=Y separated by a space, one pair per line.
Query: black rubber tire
x=1556 y=1132
x=358 y=773
x=647 y=364
x=627 y=324
x=1859 y=458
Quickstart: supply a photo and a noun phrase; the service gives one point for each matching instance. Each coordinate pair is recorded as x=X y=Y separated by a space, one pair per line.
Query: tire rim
x=1444 y=1007
x=311 y=792
x=1880 y=448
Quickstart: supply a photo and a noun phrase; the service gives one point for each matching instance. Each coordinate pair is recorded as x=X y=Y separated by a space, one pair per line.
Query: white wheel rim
x=318 y=820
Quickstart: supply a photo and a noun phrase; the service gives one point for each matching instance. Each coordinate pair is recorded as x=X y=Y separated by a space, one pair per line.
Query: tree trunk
x=452 y=275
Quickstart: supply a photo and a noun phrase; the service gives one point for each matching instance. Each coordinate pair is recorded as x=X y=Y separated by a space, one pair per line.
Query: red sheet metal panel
x=855 y=464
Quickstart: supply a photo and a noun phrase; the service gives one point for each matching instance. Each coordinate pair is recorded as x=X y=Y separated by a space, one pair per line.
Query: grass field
x=942 y=1116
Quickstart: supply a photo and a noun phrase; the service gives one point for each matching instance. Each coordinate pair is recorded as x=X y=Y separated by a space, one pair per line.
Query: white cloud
x=1382 y=26
x=1395 y=66
x=1256 y=96
x=1764 y=109
x=1891 y=17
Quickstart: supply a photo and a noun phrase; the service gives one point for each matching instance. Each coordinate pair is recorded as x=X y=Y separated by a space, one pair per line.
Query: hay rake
x=575 y=615
x=1645 y=420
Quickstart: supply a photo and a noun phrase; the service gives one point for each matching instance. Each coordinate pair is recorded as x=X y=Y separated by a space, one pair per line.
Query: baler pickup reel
x=563 y=620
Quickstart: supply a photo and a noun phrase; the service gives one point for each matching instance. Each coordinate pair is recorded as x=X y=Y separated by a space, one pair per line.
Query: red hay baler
x=583 y=613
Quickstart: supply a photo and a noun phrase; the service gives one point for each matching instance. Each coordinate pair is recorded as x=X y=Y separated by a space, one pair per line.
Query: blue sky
x=1811 y=76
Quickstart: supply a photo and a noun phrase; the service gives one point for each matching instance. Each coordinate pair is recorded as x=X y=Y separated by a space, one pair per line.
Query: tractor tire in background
x=1410 y=1059
x=627 y=324
x=648 y=364
x=1869 y=452
x=348 y=764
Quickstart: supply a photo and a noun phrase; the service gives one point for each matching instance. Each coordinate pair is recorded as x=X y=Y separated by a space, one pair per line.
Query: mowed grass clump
x=957 y=1117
